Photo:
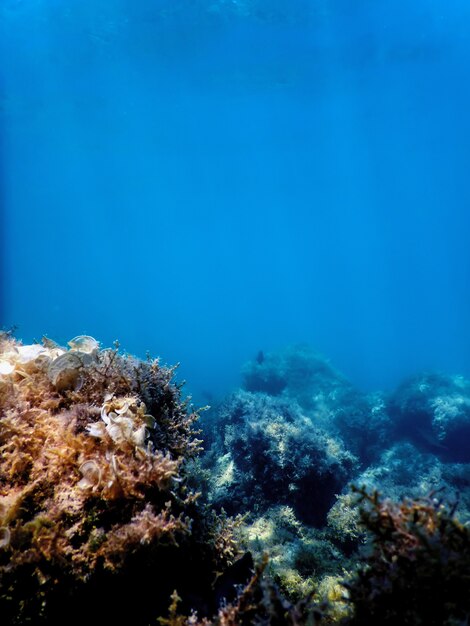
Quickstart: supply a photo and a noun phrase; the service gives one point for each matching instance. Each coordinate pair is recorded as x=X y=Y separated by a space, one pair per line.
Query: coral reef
x=94 y=505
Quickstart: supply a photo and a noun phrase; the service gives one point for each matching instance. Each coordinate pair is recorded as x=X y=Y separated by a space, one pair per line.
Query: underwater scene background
x=275 y=195
x=206 y=179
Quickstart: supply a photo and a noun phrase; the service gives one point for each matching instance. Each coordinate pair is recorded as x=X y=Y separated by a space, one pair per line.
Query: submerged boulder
x=295 y=372
x=301 y=375
x=433 y=410
x=268 y=452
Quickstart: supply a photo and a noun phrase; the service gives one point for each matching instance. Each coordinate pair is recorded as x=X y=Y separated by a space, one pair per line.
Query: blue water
x=203 y=179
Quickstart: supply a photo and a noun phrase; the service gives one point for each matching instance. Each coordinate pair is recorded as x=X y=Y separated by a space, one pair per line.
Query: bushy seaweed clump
x=418 y=572
x=94 y=507
x=258 y=602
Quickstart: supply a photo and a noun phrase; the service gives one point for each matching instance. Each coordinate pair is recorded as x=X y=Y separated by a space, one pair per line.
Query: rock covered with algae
x=433 y=410
x=287 y=448
x=100 y=522
x=268 y=452
x=94 y=505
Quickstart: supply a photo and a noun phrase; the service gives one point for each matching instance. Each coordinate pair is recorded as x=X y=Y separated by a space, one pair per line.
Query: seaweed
x=95 y=505
x=418 y=570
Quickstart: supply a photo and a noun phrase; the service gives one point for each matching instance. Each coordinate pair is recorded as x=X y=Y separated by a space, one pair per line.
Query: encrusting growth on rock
x=101 y=520
x=93 y=501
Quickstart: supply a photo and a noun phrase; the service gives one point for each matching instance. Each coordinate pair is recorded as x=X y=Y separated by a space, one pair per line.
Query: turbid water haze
x=205 y=179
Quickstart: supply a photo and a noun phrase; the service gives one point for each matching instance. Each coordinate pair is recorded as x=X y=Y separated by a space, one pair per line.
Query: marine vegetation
x=299 y=375
x=258 y=602
x=101 y=503
x=267 y=451
x=434 y=411
x=287 y=448
x=418 y=572
x=94 y=505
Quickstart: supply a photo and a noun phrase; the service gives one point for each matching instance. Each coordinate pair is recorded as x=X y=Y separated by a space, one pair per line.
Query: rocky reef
x=434 y=411
x=313 y=503
x=303 y=377
x=266 y=452
x=289 y=447
x=94 y=504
